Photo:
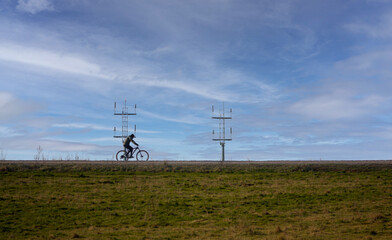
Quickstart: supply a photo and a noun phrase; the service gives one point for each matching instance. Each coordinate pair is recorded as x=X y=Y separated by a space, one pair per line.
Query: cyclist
x=128 y=141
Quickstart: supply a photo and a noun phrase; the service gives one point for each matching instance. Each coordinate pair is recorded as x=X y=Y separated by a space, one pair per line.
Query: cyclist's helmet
x=133 y=135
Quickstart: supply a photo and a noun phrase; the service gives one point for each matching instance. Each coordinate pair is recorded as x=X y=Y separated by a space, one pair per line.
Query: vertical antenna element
x=124 y=117
x=222 y=128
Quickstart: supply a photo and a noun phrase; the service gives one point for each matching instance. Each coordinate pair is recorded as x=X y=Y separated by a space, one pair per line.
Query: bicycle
x=141 y=155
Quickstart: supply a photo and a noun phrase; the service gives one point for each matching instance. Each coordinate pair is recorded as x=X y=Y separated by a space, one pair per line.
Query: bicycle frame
x=133 y=151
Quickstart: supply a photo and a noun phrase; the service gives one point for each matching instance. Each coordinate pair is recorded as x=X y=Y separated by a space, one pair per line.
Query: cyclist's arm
x=135 y=143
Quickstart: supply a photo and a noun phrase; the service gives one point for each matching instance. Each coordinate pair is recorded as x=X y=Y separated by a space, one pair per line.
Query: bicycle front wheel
x=121 y=156
x=142 y=155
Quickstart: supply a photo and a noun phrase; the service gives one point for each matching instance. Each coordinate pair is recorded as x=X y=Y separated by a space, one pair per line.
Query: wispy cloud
x=372 y=63
x=71 y=64
x=82 y=126
x=101 y=139
x=380 y=29
x=337 y=105
x=34 y=6
x=49 y=59
x=202 y=90
x=183 y=119
x=7 y=132
x=11 y=107
x=47 y=145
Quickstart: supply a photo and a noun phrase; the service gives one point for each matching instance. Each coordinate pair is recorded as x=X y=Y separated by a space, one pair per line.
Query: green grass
x=195 y=201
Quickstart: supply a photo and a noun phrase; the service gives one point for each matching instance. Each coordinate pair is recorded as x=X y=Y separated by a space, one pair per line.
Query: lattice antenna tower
x=221 y=135
x=124 y=117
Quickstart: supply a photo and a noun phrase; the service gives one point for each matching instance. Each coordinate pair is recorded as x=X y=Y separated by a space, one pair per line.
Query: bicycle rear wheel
x=121 y=155
x=142 y=155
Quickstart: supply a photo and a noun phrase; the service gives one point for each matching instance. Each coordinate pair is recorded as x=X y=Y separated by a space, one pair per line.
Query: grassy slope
x=174 y=201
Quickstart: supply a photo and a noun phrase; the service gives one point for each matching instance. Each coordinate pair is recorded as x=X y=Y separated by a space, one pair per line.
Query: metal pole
x=223 y=151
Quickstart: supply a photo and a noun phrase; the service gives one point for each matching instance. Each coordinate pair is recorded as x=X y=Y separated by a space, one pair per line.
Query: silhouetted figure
x=128 y=141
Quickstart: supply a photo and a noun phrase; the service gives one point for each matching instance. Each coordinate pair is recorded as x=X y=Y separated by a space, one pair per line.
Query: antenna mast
x=124 y=117
x=222 y=128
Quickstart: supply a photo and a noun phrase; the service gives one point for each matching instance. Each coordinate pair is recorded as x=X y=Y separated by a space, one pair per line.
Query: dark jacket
x=128 y=141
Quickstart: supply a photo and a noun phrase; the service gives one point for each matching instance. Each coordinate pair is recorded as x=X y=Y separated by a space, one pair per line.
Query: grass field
x=301 y=200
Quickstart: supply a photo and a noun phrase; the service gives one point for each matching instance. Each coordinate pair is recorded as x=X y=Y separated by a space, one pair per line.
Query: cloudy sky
x=306 y=79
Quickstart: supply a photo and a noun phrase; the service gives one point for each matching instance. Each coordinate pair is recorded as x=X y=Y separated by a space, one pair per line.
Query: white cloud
x=64 y=146
x=101 y=139
x=25 y=143
x=82 y=126
x=220 y=84
x=147 y=131
x=375 y=62
x=7 y=132
x=56 y=61
x=186 y=119
x=381 y=29
x=202 y=90
x=34 y=6
x=53 y=145
x=161 y=142
x=49 y=59
x=11 y=107
x=338 y=105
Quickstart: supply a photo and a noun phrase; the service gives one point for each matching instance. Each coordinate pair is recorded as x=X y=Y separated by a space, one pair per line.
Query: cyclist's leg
x=128 y=149
x=131 y=151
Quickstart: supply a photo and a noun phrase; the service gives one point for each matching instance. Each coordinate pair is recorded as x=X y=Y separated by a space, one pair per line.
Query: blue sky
x=307 y=80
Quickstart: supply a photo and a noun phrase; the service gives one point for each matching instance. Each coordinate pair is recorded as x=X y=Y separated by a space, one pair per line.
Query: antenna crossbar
x=122 y=114
x=221 y=117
